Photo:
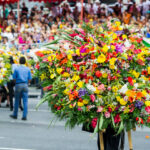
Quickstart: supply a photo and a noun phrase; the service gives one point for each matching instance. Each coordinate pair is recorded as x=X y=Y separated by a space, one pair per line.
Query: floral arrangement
x=99 y=76
x=5 y=68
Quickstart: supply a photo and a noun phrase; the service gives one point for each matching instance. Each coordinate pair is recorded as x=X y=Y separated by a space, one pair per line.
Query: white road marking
x=5 y=148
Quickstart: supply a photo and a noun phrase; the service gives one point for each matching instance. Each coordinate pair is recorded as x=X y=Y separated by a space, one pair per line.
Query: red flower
x=140 y=62
x=130 y=80
x=37 y=66
x=94 y=123
x=117 y=118
x=98 y=74
x=142 y=121
x=148 y=120
x=109 y=109
x=92 y=97
x=137 y=119
x=144 y=72
x=147 y=109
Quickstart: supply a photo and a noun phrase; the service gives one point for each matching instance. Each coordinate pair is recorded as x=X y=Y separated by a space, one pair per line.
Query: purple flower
x=83 y=50
x=130 y=57
x=139 y=104
x=119 y=48
x=82 y=92
x=148 y=58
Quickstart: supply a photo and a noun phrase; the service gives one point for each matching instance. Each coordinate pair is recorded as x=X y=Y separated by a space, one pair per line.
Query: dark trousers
x=111 y=140
x=10 y=86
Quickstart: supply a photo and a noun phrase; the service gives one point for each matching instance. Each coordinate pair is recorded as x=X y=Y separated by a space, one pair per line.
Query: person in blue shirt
x=22 y=76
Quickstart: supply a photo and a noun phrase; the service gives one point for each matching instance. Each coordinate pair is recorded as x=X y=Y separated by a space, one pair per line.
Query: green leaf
x=121 y=127
x=113 y=122
x=101 y=122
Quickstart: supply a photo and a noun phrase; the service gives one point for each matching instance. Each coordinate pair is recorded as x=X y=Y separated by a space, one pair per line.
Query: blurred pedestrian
x=22 y=76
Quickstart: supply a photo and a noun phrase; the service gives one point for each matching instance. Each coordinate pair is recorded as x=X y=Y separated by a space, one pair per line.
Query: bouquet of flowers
x=5 y=68
x=99 y=76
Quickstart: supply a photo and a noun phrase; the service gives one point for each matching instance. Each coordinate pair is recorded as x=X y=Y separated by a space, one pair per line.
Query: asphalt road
x=34 y=134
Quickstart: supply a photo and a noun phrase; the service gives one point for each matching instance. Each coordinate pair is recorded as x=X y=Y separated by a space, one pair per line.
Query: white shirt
x=146 y=6
x=95 y=8
x=79 y=6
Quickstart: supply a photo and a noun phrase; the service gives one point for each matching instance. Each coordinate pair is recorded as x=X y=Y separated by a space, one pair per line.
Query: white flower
x=123 y=89
x=91 y=88
x=148 y=96
x=136 y=85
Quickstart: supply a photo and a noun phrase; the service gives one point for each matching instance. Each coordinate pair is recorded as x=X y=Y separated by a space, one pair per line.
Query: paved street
x=34 y=133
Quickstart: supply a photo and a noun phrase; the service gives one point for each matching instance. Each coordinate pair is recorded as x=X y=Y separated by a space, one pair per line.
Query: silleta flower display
x=99 y=76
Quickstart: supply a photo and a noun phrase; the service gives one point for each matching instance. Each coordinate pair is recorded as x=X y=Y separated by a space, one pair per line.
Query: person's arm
x=29 y=76
x=15 y=75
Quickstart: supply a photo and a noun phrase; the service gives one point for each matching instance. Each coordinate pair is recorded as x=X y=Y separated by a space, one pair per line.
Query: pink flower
x=94 y=123
x=147 y=109
x=101 y=87
x=79 y=109
x=45 y=60
x=107 y=114
x=109 y=88
x=99 y=109
x=92 y=97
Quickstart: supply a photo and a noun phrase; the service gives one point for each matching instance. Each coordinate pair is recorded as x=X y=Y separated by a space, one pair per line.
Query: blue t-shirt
x=148 y=35
x=22 y=74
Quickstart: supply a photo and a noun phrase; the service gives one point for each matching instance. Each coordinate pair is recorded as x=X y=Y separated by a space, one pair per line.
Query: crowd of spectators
x=39 y=27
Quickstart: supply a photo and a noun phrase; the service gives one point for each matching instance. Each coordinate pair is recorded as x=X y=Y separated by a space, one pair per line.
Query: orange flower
x=64 y=61
x=71 y=97
x=139 y=95
x=92 y=56
x=75 y=93
x=130 y=99
x=94 y=66
x=59 y=57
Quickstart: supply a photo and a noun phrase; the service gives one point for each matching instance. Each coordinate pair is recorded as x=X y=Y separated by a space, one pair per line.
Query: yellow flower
x=7 y=66
x=112 y=66
x=43 y=76
x=49 y=58
x=85 y=102
x=104 y=75
x=75 y=78
x=59 y=70
x=113 y=47
x=126 y=110
x=144 y=92
x=60 y=26
x=136 y=74
x=101 y=58
x=124 y=36
x=77 y=52
x=114 y=36
x=52 y=76
x=118 y=23
x=80 y=84
x=123 y=102
x=114 y=89
x=97 y=91
x=118 y=98
x=112 y=61
x=147 y=103
x=148 y=70
x=66 y=74
x=69 y=57
x=80 y=104
x=105 y=48
x=70 y=106
x=66 y=91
